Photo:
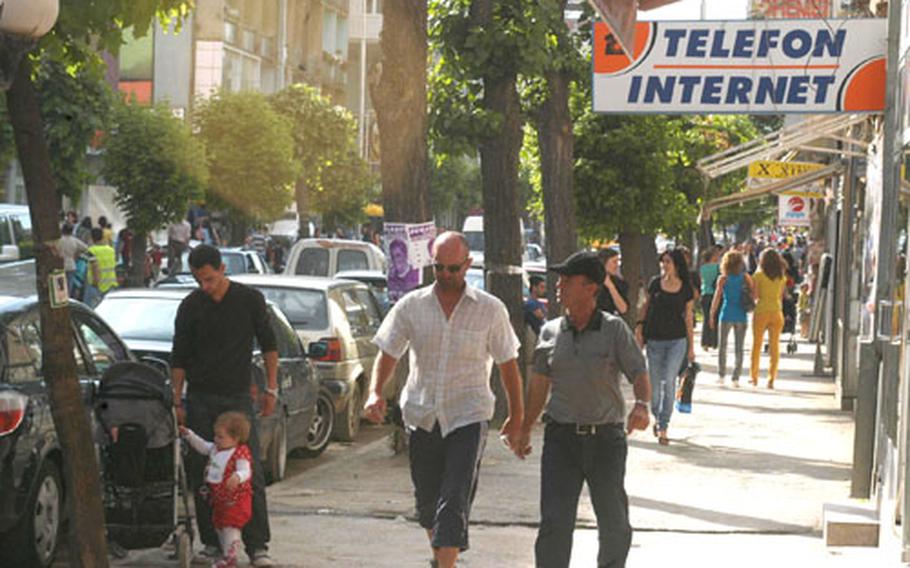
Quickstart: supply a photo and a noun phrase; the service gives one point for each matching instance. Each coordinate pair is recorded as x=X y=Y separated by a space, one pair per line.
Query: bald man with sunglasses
x=455 y=333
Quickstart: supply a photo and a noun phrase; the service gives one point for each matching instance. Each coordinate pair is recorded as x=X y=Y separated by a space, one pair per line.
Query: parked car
x=377 y=281
x=344 y=316
x=302 y=420
x=16 y=239
x=236 y=261
x=325 y=257
x=32 y=478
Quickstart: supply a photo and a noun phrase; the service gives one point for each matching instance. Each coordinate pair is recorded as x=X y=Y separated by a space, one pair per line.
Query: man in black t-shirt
x=213 y=347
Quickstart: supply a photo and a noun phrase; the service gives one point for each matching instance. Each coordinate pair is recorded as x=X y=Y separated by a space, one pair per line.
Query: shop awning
x=792 y=138
x=772 y=188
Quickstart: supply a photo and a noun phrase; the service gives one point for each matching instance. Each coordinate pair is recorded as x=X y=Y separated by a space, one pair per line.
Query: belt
x=584 y=429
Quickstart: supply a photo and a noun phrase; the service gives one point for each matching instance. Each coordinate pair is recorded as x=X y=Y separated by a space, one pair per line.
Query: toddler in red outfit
x=227 y=476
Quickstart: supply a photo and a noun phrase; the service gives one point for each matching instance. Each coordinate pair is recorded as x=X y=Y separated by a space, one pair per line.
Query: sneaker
x=720 y=380
x=207 y=556
x=261 y=558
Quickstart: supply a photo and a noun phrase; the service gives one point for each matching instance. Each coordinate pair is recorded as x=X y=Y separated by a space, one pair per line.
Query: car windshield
x=305 y=309
x=140 y=318
x=475 y=240
x=234 y=262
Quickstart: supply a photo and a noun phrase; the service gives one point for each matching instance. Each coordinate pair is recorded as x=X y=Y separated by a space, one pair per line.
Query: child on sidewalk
x=227 y=476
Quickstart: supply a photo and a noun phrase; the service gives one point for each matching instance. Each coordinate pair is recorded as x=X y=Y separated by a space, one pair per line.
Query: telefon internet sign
x=743 y=67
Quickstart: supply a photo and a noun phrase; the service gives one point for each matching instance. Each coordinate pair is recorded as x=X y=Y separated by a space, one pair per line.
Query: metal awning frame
x=783 y=141
x=769 y=189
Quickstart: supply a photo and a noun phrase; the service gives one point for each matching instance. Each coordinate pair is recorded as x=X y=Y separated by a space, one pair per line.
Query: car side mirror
x=317 y=349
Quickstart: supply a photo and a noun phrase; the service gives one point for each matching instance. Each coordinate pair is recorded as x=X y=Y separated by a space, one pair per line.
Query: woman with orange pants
x=769 y=285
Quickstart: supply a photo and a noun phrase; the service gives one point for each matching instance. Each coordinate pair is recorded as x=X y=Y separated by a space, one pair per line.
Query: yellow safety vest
x=107 y=266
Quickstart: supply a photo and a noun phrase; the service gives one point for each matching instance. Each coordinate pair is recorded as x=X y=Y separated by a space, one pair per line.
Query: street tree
x=398 y=86
x=483 y=47
x=154 y=186
x=624 y=186
x=334 y=180
x=74 y=39
x=250 y=155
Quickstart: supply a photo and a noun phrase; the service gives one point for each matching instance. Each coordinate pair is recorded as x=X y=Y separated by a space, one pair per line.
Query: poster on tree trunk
x=407 y=247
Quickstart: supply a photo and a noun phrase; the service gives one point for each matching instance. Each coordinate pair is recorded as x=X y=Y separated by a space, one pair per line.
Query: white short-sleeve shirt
x=450 y=360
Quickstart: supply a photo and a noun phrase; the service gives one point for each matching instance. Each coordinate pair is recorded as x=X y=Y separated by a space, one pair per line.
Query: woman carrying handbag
x=666 y=328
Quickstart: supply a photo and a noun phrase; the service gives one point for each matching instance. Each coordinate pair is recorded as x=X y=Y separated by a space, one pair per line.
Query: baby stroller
x=143 y=479
x=790 y=315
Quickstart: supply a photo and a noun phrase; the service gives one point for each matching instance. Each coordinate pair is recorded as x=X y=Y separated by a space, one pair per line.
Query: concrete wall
x=173 y=63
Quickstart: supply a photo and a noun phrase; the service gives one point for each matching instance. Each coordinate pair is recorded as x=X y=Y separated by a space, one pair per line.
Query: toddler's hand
x=232 y=482
x=183 y=430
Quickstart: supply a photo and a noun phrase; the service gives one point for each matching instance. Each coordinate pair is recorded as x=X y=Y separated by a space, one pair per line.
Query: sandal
x=663 y=440
x=655 y=430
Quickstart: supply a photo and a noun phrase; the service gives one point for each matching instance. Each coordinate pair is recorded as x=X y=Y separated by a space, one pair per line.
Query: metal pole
x=362 y=131
x=704 y=9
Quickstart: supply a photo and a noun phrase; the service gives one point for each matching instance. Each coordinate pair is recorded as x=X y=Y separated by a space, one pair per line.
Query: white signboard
x=744 y=67
x=793 y=211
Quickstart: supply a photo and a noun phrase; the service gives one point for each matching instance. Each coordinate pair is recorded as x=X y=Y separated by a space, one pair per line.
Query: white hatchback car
x=325 y=257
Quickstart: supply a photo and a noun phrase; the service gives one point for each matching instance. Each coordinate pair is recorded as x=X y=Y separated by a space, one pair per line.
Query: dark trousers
x=568 y=460
x=201 y=412
x=708 y=335
x=444 y=472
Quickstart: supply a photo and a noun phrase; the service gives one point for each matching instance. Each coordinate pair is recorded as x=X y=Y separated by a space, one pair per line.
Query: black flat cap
x=582 y=263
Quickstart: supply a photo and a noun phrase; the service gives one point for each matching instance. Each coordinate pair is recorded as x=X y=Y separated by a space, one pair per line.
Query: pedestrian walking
x=107 y=231
x=70 y=248
x=213 y=346
x=455 y=333
x=710 y=272
x=84 y=231
x=534 y=310
x=102 y=269
x=178 y=239
x=227 y=477
x=729 y=310
x=770 y=286
x=577 y=366
x=666 y=329
x=613 y=296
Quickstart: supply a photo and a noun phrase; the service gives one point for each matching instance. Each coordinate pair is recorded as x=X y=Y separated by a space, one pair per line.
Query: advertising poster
x=762 y=172
x=793 y=211
x=408 y=251
x=743 y=66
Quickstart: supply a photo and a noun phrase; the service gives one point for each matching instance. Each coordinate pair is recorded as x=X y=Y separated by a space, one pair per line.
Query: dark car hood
x=140 y=347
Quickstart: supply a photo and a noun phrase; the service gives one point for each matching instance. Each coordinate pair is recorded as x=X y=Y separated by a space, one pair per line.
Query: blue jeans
x=664 y=359
x=569 y=460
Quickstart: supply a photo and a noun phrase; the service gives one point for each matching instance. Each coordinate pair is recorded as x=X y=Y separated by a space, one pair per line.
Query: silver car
x=342 y=314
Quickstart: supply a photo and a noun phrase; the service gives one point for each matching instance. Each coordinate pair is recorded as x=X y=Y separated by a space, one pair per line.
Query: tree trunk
x=650 y=267
x=400 y=97
x=705 y=237
x=744 y=231
x=301 y=192
x=499 y=154
x=136 y=275
x=630 y=248
x=557 y=160
x=83 y=487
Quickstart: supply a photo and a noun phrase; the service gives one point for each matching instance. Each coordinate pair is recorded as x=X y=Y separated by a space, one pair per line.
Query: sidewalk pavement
x=741 y=484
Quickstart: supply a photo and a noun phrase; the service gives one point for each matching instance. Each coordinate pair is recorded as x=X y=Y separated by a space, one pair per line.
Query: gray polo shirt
x=584 y=368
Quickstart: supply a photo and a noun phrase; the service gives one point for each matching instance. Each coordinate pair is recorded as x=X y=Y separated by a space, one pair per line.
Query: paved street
x=742 y=483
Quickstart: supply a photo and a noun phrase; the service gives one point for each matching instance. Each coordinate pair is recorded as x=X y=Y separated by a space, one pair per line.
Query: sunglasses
x=452 y=268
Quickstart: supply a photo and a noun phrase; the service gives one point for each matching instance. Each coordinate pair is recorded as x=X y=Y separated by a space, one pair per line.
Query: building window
x=230 y=33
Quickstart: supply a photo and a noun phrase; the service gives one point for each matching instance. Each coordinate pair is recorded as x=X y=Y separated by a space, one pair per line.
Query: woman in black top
x=613 y=297
x=667 y=329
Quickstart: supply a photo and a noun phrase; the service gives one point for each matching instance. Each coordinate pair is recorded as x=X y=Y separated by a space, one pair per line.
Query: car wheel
x=35 y=540
x=320 y=431
x=278 y=449
x=349 y=422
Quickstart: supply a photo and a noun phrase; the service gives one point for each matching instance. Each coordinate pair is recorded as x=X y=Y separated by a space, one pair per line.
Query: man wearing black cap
x=579 y=357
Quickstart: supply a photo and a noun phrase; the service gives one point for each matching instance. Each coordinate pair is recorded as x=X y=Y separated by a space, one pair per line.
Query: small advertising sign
x=766 y=171
x=408 y=250
x=793 y=211
x=745 y=67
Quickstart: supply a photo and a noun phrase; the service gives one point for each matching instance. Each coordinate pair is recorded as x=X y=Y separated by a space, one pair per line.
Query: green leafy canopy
x=156 y=165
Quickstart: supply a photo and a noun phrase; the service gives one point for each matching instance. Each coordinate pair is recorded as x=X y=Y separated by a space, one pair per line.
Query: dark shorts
x=444 y=472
